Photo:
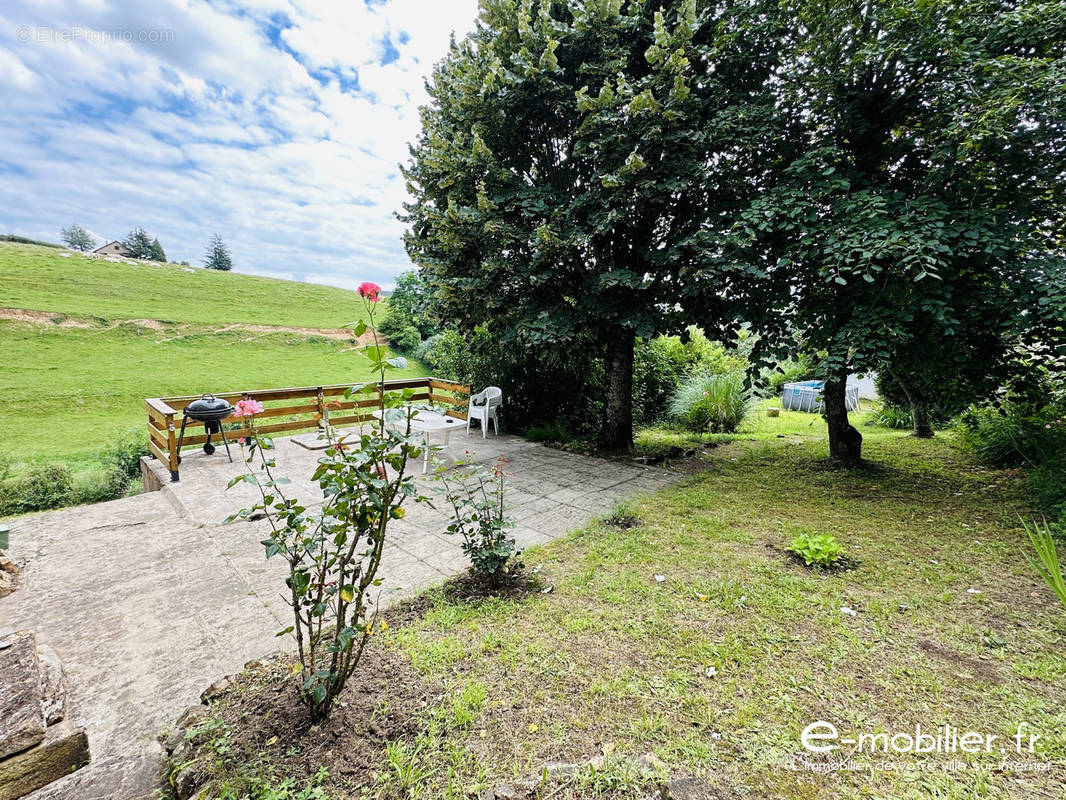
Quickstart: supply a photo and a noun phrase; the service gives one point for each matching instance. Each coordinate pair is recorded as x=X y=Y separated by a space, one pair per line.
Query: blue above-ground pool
x=807 y=396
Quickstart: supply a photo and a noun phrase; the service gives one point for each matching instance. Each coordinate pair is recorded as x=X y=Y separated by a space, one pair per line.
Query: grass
x=718 y=669
x=612 y=656
x=73 y=381
x=790 y=426
x=47 y=279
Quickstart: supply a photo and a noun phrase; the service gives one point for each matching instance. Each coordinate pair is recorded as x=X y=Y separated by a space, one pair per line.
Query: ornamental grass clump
x=334 y=552
x=711 y=402
x=1047 y=562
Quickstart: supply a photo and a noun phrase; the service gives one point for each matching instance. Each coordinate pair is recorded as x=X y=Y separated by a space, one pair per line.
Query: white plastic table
x=427 y=422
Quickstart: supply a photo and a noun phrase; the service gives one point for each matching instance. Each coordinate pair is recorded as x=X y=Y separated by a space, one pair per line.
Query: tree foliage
x=218 y=255
x=912 y=196
x=77 y=238
x=881 y=183
x=139 y=244
x=409 y=303
x=565 y=180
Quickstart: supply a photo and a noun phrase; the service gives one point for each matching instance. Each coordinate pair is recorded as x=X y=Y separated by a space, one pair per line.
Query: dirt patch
x=963 y=663
x=43 y=318
x=468 y=588
x=54 y=318
x=340 y=334
x=150 y=324
x=262 y=721
x=624 y=521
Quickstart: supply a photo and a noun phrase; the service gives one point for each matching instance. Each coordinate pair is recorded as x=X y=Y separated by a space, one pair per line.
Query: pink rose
x=369 y=291
x=247 y=408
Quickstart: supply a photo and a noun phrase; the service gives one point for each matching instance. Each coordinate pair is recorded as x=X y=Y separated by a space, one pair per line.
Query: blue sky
x=278 y=123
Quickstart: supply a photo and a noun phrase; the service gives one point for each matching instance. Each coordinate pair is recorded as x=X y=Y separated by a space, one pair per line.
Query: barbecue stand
x=209 y=410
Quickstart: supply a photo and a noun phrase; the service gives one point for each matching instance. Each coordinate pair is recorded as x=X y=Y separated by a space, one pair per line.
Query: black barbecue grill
x=209 y=410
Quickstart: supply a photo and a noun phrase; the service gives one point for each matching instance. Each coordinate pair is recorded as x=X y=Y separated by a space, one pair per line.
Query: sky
x=279 y=124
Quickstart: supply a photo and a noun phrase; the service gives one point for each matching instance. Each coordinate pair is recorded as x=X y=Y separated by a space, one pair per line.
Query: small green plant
x=476 y=497
x=256 y=788
x=1047 y=558
x=816 y=549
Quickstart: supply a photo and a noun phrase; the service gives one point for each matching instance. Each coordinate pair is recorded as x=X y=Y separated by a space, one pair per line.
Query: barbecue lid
x=209 y=405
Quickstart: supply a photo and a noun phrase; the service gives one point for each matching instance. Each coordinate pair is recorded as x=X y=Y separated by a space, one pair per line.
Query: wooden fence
x=296 y=408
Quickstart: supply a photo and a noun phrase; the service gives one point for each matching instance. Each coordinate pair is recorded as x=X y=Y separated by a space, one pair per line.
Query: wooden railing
x=319 y=403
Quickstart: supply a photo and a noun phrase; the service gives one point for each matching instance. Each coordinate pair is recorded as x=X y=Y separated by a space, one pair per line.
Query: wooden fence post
x=172 y=449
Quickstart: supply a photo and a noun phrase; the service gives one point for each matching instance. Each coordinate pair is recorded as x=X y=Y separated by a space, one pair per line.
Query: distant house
x=113 y=249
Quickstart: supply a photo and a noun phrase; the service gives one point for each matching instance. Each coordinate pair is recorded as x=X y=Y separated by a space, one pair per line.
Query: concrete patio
x=149 y=599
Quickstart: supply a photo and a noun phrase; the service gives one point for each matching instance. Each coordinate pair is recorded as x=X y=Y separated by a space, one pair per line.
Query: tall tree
x=157 y=251
x=572 y=165
x=914 y=158
x=77 y=238
x=218 y=255
x=409 y=302
x=139 y=244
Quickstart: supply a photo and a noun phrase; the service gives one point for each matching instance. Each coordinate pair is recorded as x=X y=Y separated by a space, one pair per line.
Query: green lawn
x=67 y=392
x=73 y=380
x=42 y=278
x=718 y=668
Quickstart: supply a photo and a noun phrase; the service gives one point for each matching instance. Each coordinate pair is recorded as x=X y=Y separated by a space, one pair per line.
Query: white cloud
x=273 y=122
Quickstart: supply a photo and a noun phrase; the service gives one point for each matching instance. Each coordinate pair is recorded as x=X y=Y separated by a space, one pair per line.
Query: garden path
x=149 y=599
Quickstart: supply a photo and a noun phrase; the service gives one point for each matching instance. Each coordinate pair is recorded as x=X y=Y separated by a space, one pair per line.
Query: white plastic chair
x=484 y=406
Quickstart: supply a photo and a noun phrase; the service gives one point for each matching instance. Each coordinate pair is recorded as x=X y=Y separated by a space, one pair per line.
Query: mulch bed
x=468 y=588
x=268 y=723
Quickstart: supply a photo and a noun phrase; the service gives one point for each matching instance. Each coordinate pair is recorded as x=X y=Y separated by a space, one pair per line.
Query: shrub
x=894 y=417
x=124 y=455
x=566 y=387
x=1010 y=435
x=816 y=549
x=717 y=403
x=10 y=237
x=476 y=497
x=548 y=432
x=661 y=365
x=405 y=340
x=333 y=551
x=1019 y=432
x=40 y=488
x=425 y=350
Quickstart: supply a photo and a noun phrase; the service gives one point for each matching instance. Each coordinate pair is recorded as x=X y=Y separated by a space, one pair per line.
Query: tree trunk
x=617 y=431
x=923 y=421
x=845 y=442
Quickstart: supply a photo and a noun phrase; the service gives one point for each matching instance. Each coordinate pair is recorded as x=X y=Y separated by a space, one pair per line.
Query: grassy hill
x=47 y=279
x=74 y=379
